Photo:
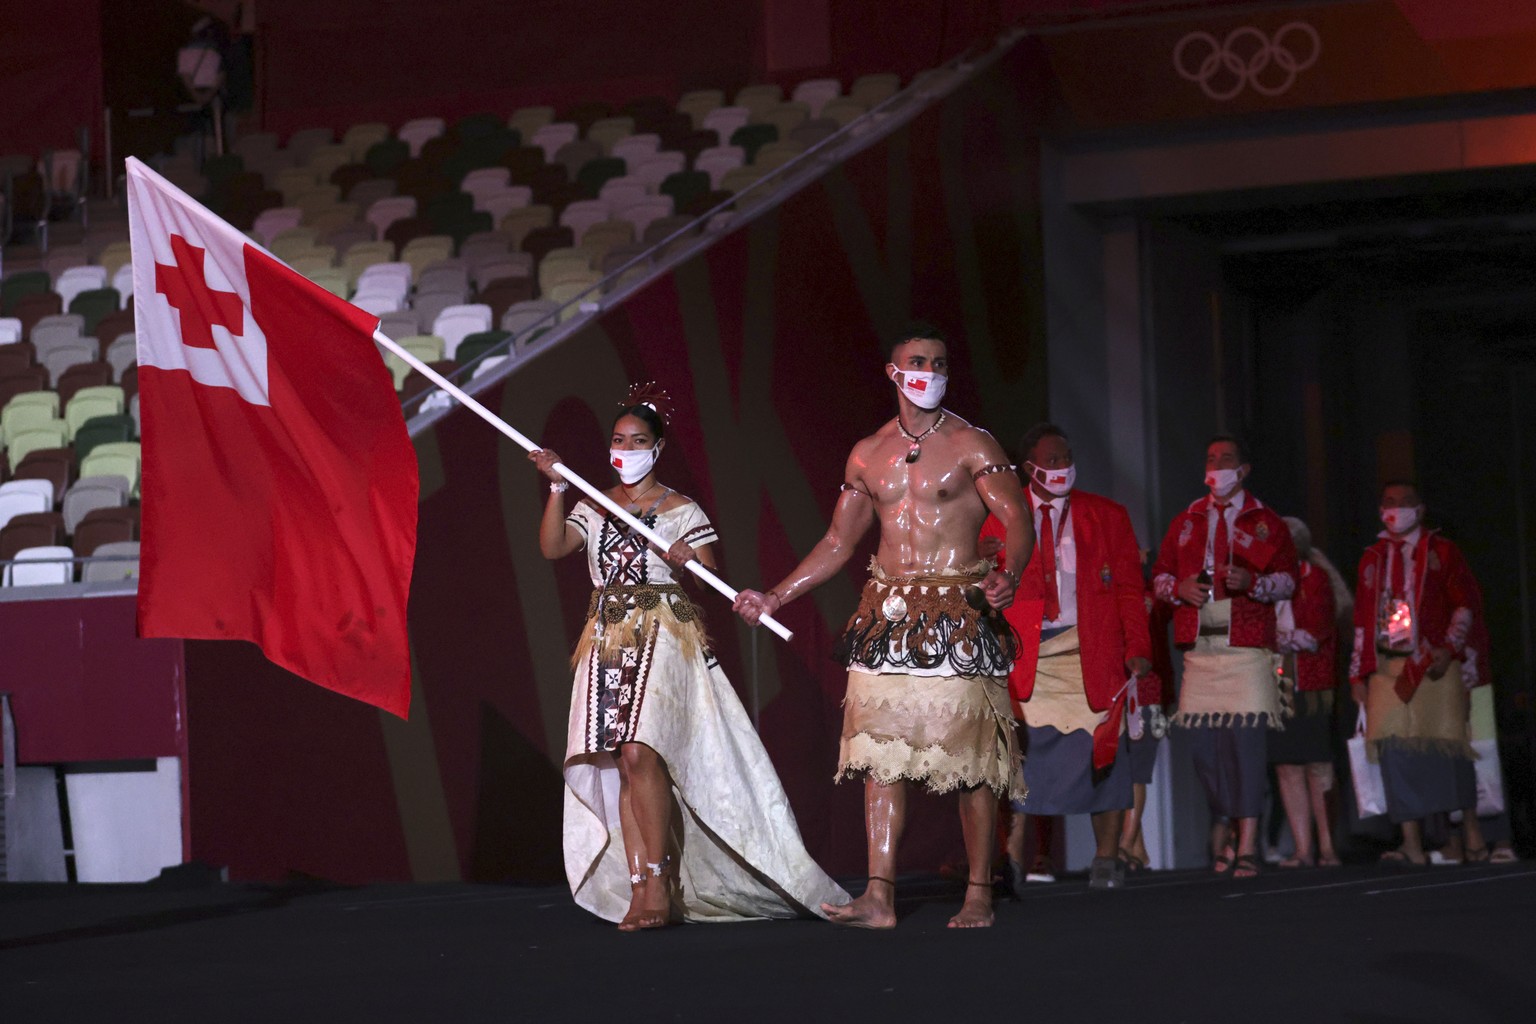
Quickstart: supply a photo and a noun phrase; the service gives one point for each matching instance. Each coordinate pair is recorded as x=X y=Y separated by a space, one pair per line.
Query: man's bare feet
x=875 y=908
x=976 y=911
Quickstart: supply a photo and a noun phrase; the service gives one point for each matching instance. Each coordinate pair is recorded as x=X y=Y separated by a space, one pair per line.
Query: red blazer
x=1261 y=543
x=1313 y=609
x=1444 y=584
x=1157 y=686
x=1111 y=618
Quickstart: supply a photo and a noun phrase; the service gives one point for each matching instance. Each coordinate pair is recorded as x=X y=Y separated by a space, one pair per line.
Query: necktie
x=1220 y=554
x=1048 y=563
x=1397 y=581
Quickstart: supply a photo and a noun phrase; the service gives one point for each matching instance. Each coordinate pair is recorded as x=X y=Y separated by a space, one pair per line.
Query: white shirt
x=1066 y=557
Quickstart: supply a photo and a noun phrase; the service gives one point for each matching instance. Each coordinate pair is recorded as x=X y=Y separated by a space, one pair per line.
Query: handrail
x=420 y=415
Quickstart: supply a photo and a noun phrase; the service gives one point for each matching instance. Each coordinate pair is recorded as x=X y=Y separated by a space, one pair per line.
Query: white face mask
x=1057 y=481
x=925 y=390
x=1400 y=520
x=633 y=465
x=1222 y=482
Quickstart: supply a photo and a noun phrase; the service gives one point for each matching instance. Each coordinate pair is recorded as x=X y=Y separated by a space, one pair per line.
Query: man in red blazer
x=1420 y=644
x=1223 y=564
x=1082 y=627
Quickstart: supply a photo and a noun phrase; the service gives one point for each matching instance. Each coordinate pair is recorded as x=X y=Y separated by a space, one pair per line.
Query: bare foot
x=631 y=921
x=871 y=910
x=976 y=911
x=655 y=903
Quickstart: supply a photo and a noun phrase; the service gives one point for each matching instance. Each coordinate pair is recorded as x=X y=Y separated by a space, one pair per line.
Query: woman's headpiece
x=653 y=395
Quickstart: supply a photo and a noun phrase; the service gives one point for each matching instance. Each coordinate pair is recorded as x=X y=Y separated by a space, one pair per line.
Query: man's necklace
x=917 y=439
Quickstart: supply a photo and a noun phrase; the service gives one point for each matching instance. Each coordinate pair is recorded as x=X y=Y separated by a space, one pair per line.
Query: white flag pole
x=592 y=492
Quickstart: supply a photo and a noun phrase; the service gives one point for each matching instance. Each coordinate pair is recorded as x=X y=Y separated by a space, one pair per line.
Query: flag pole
x=596 y=495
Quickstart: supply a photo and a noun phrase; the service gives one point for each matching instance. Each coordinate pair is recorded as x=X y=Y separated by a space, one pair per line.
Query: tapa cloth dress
x=645 y=674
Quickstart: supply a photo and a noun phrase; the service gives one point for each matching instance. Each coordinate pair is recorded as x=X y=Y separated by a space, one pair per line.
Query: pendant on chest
x=913 y=453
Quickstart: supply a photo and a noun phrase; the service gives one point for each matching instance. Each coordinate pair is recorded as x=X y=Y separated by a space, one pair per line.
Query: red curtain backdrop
x=50 y=74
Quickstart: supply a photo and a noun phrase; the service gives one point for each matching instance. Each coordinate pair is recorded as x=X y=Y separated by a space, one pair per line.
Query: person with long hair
x=672 y=807
x=1307 y=639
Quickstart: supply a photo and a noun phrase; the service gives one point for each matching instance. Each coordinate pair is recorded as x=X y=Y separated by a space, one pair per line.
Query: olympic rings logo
x=1247 y=57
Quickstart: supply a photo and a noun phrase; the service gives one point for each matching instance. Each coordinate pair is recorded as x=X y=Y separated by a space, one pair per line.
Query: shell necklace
x=917 y=439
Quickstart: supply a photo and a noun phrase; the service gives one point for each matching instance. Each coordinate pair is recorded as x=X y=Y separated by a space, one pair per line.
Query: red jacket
x=1157 y=686
x=1444 y=585
x=1261 y=543
x=1111 y=618
x=1313 y=609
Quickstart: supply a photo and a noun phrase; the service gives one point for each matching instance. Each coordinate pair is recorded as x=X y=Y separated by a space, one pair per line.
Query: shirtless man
x=928 y=658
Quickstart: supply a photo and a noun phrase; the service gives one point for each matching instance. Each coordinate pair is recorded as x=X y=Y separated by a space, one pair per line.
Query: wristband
x=559 y=488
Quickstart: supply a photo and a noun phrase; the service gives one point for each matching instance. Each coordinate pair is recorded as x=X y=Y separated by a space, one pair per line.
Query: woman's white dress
x=644 y=673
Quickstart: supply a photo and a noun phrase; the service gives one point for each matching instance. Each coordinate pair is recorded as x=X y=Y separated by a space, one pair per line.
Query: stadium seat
x=544 y=240
x=27 y=409
x=425 y=249
x=306 y=140
x=576 y=154
x=93 y=492
x=426 y=347
x=82 y=375
x=400 y=324
x=360 y=137
x=786 y=117
x=117 y=458
x=551 y=137
x=633 y=149
x=15 y=358
x=384 y=158
x=406 y=230
x=842 y=111
x=91 y=402
x=456 y=323
x=94 y=305
x=643 y=211
x=100 y=430
x=122 y=353
x=525 y=316
x=488 y=269
x=20 y=284
x=19 y=500
x=269 y=225
x=79 y=279
x=62 y=356
x=119 y=561
x=443 y=276
x=699 y=103
x=506 y=292
x=573 y=292
x=10 y=330
x=726 y=121
x=753 y=137
x=30 y=309
x=114 y=257
x=30 y=529
x=333 y=280
x=417 y=132
x=55 y=465
x=122 y=282
x=604 y=236
x=518 y=224
x=528 y=120
x=816 y=93
x=105 y=525
x=478 y=344
x=39 y=565
x=366 y=254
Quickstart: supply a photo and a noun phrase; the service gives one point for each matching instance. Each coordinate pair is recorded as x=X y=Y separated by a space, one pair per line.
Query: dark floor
x=1352 y=944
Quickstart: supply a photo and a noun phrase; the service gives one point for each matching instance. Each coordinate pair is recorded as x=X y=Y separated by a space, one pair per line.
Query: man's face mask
x=1223 y=482
x=1400 y=520
x=924 y=390
x=1056 y=481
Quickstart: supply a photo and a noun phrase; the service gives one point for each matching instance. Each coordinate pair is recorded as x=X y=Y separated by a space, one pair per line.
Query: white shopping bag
x=1370 y=795
x=1490 y=780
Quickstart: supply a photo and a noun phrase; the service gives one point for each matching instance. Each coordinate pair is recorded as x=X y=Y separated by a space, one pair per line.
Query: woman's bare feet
x=976 y=911
x=631 y=920
x=876 y=908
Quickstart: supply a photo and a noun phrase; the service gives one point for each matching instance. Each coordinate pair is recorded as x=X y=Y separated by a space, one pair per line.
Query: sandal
x=1480 y=855
x=1223 y=863
x=647 y=920
x=1293 y=863
x=1503 y=855
x=1133 y=863
x=1399 y=859
x=1247 y=866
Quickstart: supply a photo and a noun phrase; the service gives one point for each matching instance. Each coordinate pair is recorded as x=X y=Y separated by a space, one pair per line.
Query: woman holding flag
x=652 y=714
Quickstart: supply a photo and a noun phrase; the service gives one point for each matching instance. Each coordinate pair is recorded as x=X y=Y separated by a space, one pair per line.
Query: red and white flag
x=279 y=484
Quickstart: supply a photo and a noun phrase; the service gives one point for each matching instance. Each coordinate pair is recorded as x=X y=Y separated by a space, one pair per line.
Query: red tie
x=1047 y=549
x=1396 y=581
x=1219 y=554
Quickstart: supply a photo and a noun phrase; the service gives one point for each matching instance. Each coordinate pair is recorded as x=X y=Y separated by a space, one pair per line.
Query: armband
x=996 y=467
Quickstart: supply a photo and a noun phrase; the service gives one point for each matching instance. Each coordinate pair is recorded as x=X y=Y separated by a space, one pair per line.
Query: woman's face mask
x=633 y=464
